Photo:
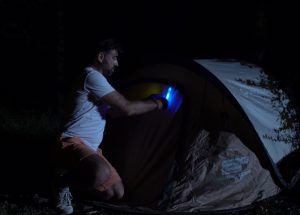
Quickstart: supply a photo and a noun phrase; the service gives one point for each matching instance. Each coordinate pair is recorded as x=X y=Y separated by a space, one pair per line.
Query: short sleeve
x=97 y=84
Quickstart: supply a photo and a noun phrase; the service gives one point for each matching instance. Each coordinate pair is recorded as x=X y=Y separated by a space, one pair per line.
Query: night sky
x=43 y=40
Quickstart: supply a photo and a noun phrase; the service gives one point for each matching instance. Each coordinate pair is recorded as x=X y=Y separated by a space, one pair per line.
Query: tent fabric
x=217 y=97
x=142 y=149
x=217 y=175
x=208 y=102
x=258 y=102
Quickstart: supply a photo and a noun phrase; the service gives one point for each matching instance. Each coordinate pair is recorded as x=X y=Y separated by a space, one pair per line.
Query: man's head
x=106 y=59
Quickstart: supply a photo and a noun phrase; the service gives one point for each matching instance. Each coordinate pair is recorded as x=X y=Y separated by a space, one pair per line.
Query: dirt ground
x=35 y=204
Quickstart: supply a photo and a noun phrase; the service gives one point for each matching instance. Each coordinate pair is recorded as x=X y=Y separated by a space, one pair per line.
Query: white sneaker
x=63 y=201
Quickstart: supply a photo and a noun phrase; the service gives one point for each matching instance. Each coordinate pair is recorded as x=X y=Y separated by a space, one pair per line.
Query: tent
x=218 y=146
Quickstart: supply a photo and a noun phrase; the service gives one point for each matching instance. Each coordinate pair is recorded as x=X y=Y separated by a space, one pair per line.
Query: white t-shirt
x=87 y=120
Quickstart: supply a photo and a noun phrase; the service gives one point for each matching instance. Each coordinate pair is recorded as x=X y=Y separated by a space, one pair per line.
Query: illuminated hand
x=161 y=102
x=164 y=102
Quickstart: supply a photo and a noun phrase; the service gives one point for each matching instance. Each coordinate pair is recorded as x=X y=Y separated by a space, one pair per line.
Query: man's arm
x=129 y=108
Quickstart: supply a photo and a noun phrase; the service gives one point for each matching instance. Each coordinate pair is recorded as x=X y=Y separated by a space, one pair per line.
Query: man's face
x=110 y=62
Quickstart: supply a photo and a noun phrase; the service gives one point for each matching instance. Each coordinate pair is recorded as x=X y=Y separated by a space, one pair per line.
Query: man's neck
x=97 y=68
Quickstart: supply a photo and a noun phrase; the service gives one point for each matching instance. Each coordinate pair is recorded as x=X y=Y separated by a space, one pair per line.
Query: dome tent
x=225 y=100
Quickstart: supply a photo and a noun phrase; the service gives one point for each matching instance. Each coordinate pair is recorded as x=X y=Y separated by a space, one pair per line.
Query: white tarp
x=258 y=102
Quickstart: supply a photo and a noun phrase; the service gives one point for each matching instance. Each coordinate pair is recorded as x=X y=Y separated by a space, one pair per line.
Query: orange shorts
x=72 y=150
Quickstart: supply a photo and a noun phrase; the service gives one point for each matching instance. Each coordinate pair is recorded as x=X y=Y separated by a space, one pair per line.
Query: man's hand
x=162 y=103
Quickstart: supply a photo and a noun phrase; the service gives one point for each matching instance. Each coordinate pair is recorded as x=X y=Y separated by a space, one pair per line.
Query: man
x=78 y=147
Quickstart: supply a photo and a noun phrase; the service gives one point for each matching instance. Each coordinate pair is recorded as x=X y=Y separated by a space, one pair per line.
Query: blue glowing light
x=168 y=93
x=174 y=98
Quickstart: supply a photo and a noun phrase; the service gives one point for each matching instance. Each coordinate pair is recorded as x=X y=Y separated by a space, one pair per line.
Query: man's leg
x=97 y=175
x=89 y=169
x=114 y=192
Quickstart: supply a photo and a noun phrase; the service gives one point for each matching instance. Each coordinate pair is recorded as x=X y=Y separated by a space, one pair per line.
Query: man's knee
x=95 y=171
x=108 y=194
x=115 y=192
x=118 y=190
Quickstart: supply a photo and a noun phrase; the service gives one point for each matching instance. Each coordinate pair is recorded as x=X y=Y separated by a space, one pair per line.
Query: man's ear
x=100 y=57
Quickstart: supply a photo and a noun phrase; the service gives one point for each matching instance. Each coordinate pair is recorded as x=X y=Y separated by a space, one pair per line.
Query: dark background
x=41 y=40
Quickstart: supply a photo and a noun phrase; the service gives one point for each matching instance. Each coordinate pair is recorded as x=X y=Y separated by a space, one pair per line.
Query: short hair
x=92 y=48
x=107 y=45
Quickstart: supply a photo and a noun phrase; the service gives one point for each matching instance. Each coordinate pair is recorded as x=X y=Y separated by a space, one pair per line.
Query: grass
x=29 y=123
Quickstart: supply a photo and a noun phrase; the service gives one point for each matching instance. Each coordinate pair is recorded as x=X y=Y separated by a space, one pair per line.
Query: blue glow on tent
x=174 y=98
x=168 y=93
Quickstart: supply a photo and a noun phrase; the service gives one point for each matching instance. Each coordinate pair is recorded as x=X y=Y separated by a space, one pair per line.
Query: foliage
x=289 y=130
x=29 y=123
